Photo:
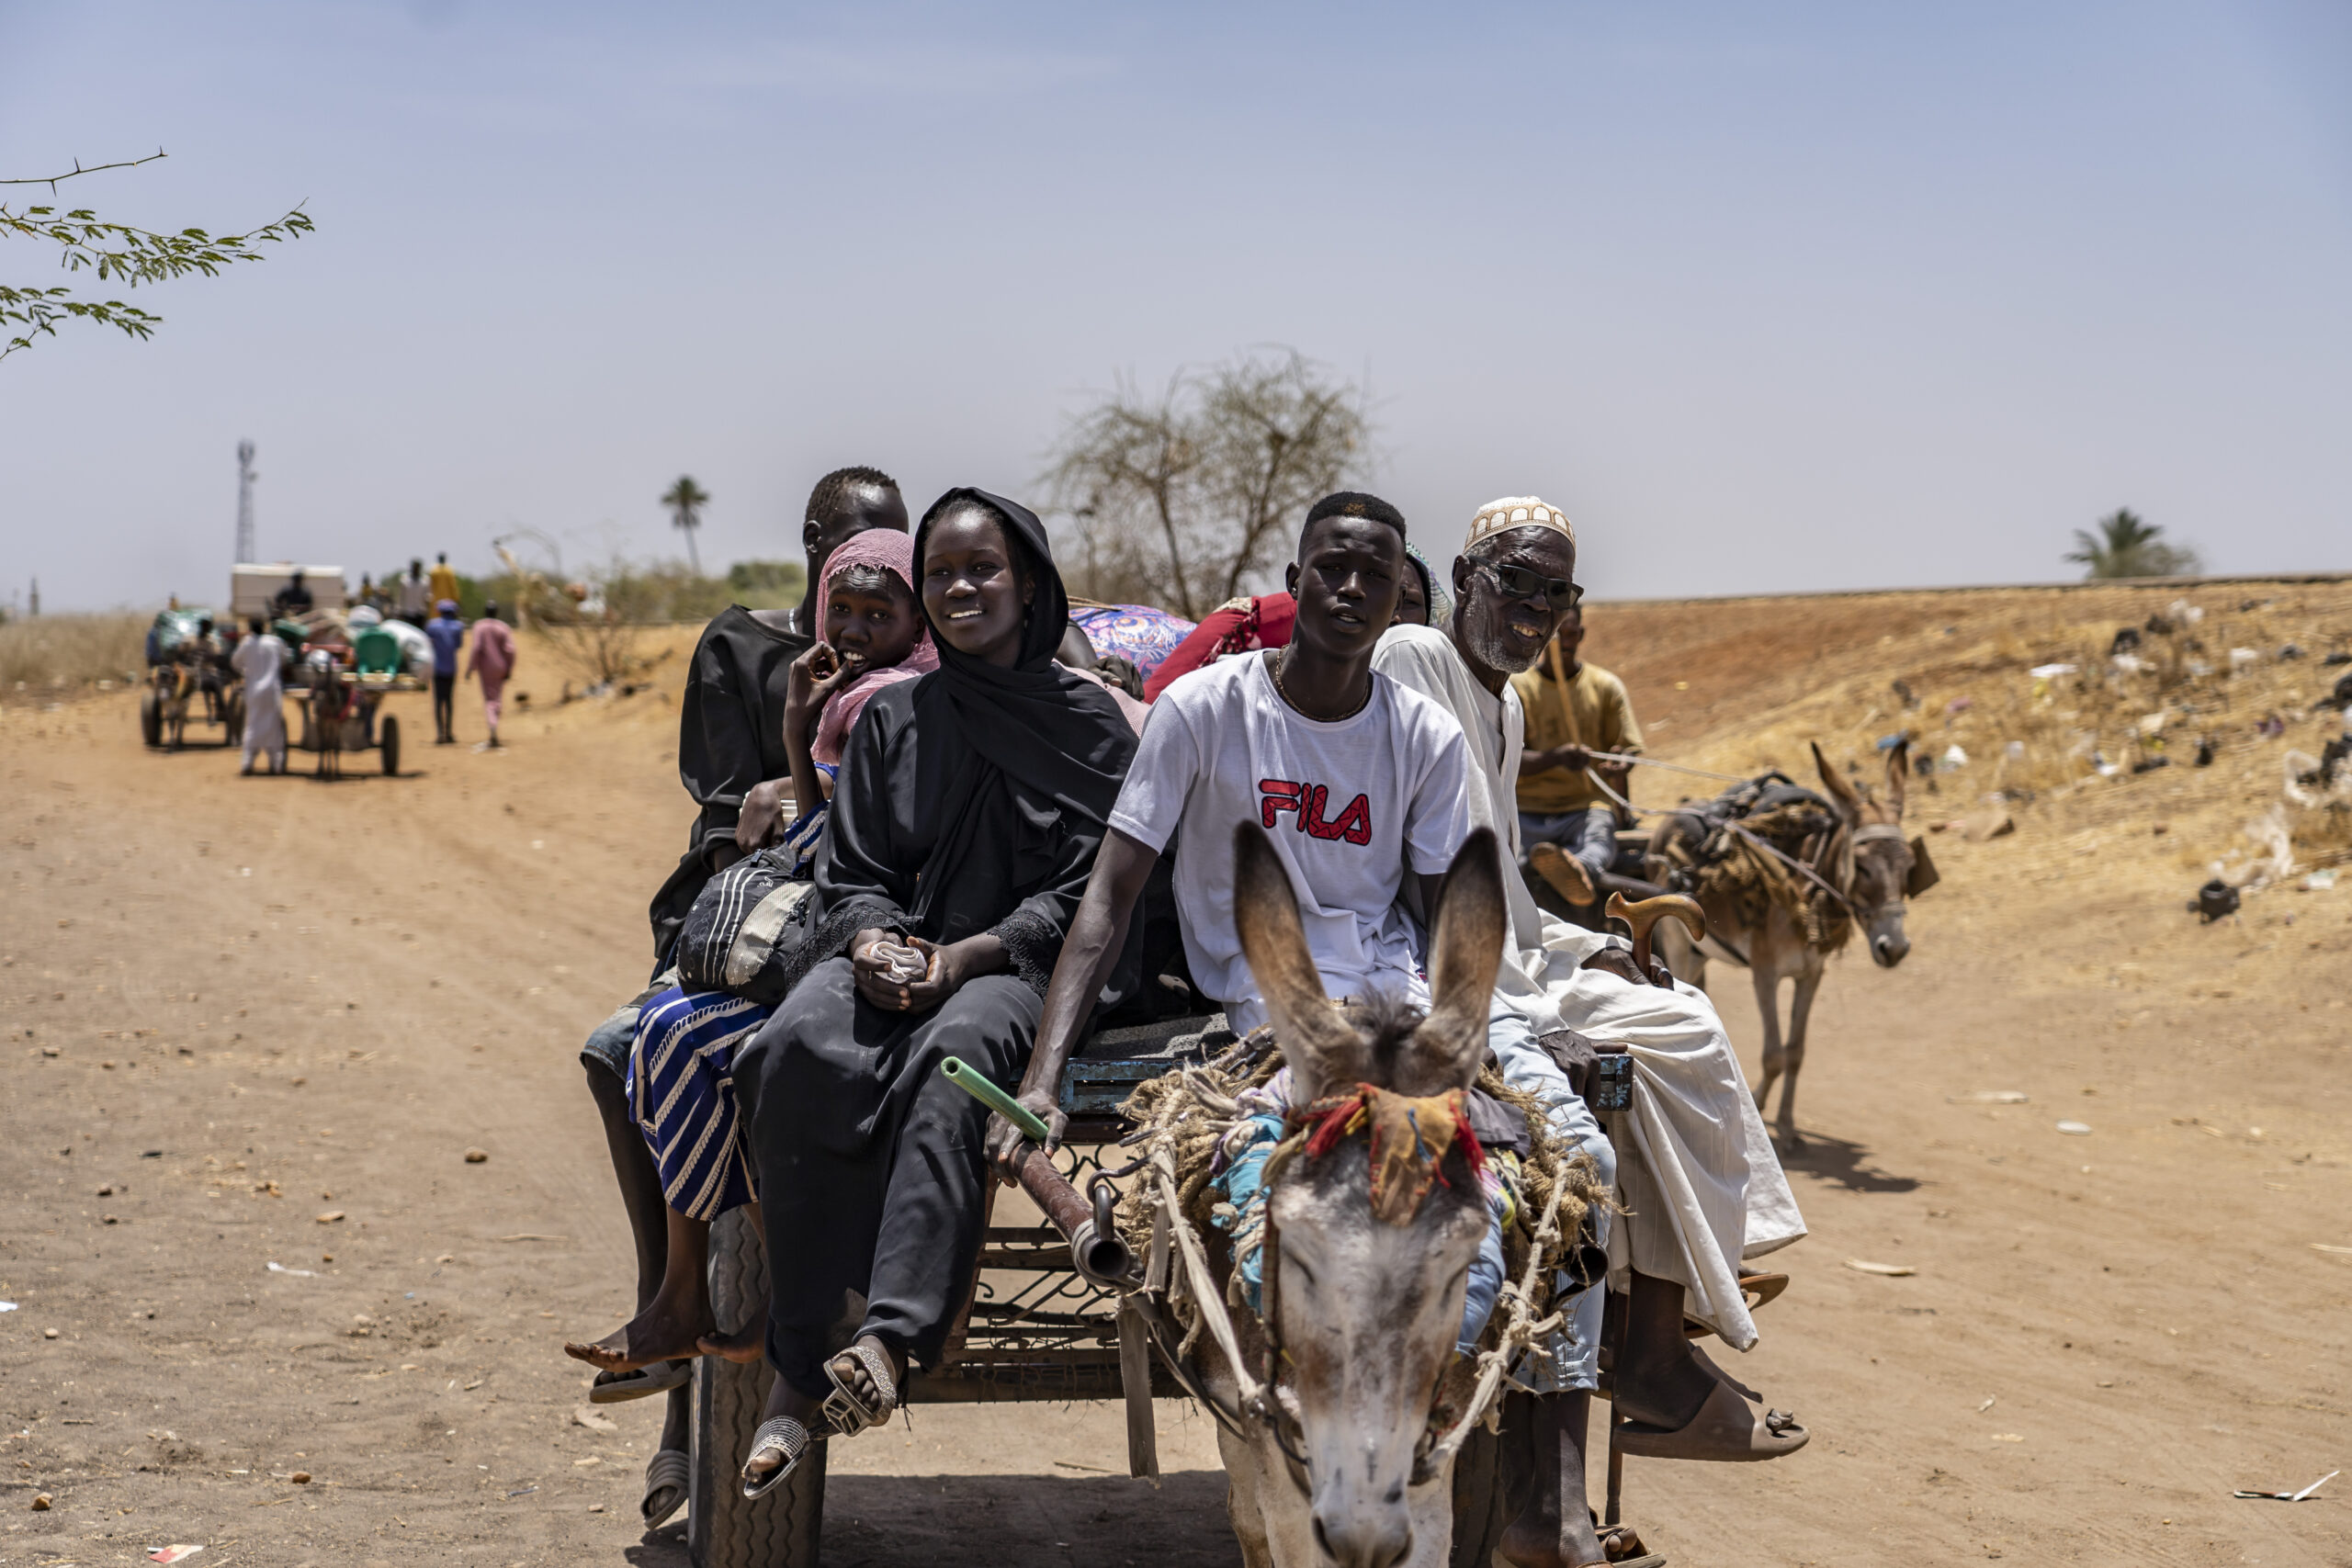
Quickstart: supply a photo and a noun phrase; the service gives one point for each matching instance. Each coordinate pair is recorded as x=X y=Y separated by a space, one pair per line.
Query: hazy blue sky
x=1766 y=296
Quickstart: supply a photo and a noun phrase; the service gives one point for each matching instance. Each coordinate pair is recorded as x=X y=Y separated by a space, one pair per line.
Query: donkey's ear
x=1321 y=1047
x=1923 y=874
x=1898 y=774
x=1465 y=950
x=1850 y=805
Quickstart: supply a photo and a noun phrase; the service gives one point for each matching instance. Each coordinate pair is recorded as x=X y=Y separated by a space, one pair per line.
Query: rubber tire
x=151 y=719
x=1480 y=1510
x=390 y=745
x=723 y=1530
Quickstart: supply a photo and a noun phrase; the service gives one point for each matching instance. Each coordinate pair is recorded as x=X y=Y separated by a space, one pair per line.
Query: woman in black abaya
x=966 y=819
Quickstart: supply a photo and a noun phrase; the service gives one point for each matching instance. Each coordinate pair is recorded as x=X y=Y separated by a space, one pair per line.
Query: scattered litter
x=1989 y=1097
x=1893 y=1271
x=2318 y=881
x=1985 y=825
x=583 y=1417
x=2130 y=664
x=1986 y=1406
x=331 y=1217
x=2214 y=900
x=2049 y=671
x=2008 y=1436
x=2016 y=750
x=475 y=1156
x=2339 y=1251
x=2075 y=1129
x=173 y=1554
x=591 y=1459
x=2243 y=658
x=522 y=1491
x=276 y=1267
x=2291 y=1496
x=8 y=1306
x=1954 y=756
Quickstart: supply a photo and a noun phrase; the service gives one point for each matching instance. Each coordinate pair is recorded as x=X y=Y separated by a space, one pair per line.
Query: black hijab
x=1051 y=731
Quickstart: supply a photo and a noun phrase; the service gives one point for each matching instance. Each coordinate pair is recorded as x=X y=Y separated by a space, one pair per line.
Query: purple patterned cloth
x=1137 y=633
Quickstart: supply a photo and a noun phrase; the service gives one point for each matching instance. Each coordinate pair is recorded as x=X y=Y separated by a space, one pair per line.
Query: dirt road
x=263 y=1022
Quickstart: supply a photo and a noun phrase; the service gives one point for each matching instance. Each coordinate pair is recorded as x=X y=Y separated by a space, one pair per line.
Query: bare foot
x=741 y=1349
x=665 y=1331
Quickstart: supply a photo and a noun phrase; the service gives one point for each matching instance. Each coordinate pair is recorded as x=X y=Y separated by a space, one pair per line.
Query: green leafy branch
x=119 y=253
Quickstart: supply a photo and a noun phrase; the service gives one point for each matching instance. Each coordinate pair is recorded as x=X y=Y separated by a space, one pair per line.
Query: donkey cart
x=1048 y=1318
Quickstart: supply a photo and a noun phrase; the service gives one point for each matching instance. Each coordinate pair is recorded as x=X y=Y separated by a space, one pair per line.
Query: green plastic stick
x=970 y=1079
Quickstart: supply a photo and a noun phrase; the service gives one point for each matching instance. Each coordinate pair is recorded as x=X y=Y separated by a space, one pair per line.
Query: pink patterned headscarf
x=894 y=552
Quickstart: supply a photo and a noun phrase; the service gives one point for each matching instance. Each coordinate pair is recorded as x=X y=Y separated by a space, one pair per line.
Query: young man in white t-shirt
x=1357 y=781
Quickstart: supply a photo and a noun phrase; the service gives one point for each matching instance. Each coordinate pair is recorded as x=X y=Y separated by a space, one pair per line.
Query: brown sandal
x=1725 y=1431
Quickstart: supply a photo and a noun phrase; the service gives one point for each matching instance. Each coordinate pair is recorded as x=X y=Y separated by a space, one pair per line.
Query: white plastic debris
x=2129 y=664
x=2075 y=1129
x=2049 y=671
x=2243 y=658
x=1954 y=756
x=1990 y=1096
x=278 y=1267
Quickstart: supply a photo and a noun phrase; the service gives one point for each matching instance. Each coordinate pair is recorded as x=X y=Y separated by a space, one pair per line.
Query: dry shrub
x=54 y=656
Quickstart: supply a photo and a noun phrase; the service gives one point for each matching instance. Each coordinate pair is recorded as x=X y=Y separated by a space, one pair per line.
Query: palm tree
x=2127 y=547
x=686 y=501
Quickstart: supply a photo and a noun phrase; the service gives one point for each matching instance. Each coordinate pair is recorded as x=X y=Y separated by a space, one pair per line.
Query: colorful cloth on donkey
x=681 y=1095
x=1137 y=633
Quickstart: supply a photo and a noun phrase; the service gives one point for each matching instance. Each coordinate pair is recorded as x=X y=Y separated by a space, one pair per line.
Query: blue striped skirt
x=681 y=1093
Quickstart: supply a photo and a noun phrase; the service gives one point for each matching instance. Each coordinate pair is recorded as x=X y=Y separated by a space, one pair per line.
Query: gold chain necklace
x=1281 y=659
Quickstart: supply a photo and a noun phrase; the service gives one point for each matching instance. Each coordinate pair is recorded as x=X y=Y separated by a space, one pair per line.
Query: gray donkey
x=1360 y=1308
x=1872 y=869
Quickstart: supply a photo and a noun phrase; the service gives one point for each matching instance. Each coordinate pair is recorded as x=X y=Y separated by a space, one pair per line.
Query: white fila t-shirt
x=1348 y=805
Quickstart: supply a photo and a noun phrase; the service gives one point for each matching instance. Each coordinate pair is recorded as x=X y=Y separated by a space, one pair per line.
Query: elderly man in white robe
x=1697 y=1177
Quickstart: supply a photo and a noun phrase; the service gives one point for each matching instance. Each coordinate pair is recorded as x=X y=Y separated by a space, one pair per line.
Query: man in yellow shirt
x=444 y=578
x=1573 y=710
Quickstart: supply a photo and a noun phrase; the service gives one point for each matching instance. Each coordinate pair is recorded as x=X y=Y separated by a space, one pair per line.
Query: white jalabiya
x=1700 y=1181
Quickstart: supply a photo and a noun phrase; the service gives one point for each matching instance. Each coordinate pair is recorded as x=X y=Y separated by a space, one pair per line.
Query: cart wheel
x=150 y=718
x=391 y=747
x=723 y=1530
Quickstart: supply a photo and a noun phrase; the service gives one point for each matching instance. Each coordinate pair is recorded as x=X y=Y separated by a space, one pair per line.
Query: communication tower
x=244 y=501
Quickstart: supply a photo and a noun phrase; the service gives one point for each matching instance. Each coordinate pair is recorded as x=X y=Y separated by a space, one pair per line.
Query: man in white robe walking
x=261 y=660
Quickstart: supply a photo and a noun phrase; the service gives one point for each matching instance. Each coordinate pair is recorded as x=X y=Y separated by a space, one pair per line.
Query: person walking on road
x=261 y=659
x=447 y=635
x=415 y=594
x=444 y=578
x=490 y=657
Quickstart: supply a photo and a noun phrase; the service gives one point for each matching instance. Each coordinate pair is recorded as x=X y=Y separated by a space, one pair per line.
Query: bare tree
x=1187 y=492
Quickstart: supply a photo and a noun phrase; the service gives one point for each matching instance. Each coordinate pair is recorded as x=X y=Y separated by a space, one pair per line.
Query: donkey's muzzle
x=1381 y=1538
x=1889 y=950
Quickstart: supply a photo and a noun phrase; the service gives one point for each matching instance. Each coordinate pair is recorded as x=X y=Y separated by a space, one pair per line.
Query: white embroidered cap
x=1517 y=512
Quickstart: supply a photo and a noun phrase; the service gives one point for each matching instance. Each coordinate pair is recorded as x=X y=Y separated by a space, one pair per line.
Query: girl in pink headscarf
x=874 y=637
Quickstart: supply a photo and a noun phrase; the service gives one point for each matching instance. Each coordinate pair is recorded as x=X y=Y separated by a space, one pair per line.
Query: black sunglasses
x=1522 y=583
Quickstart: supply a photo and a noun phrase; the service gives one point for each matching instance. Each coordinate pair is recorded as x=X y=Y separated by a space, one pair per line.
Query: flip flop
x=786 y=1436
x=1761 y=1291
x=659 y=1377
x=667 y=1477
x=844 y=1408
x=1725 y=1431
